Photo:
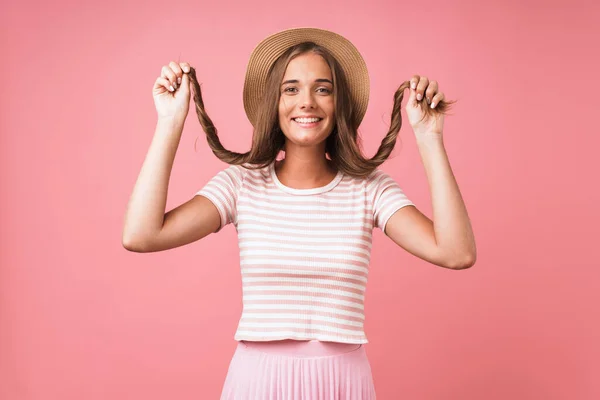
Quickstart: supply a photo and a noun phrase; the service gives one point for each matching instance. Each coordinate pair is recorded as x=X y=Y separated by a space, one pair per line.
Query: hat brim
x=269 y=49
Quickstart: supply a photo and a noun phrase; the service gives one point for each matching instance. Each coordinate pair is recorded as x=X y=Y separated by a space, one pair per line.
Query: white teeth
x=306 y=120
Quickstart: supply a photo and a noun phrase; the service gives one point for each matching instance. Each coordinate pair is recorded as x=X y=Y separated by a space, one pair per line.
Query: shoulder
x=378 y=178
x=250 y=174
x=243 y=170
x=232 y=176
x=375 y=176
x=370 y=184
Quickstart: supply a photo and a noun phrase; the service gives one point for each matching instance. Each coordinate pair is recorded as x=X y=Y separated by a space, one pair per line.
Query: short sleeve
x=222 y=190
x=387 y=197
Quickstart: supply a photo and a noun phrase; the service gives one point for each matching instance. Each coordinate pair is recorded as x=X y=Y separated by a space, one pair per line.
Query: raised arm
x=448 y=240
x=147 y=227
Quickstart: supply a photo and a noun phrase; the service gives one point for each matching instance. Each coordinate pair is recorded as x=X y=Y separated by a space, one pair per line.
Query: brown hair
x=342 y=144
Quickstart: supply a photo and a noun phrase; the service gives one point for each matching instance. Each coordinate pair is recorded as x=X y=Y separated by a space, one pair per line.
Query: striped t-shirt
x=304 y=253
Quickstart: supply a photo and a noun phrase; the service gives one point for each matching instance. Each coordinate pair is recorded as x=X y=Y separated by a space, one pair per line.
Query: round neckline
x=310 y=191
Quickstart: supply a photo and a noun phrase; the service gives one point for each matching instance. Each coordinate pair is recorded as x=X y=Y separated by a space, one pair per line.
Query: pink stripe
x=309 y=258
x=251 y=194
x=271 y=225
x=324 y=303
x=299 y=284
x=312 y=276
x=318 y=215
x=323 y=247
x=315 y=235
x=247 y=270
x=292 y=219
x=250 y=314
x=293 y=292
x=284 y=321
x=311 y=330
x=323 y=252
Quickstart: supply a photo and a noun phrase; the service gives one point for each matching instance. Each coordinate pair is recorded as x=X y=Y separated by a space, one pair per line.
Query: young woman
x=305 y=220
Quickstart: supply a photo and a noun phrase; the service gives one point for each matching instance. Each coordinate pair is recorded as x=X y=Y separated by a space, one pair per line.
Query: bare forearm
x=146 y=209
x=453 y=231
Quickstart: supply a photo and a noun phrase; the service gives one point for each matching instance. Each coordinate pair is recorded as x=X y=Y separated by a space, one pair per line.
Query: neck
x=305 y=168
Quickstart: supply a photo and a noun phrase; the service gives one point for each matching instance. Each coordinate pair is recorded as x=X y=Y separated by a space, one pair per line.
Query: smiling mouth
x=308 y=123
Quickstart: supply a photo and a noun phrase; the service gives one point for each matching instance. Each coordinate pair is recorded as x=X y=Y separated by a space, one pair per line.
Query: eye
x=286 y=89
x=325 y=90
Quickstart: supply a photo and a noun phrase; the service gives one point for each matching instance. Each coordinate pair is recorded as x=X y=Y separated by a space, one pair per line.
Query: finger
x=431 y=91
x=185 y=67
x=436 y=99
x=164 y=82
x=414 y=81
x=412 y=98
x=185 y=81
x=168 y=73
x=421 y=86
x=177 y=70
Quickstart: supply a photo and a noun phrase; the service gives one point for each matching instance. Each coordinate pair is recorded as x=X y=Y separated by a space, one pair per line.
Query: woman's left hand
x=424 y=92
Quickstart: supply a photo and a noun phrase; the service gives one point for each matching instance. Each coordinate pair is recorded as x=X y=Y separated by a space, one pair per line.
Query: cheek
x=282 y=112
x=330 y=108
x=331 y=113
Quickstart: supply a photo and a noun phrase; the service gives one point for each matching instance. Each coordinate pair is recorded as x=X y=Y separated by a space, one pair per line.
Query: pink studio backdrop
x=82 y=318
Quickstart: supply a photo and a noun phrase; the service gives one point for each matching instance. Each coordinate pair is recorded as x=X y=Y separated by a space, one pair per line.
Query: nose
x=307 y=100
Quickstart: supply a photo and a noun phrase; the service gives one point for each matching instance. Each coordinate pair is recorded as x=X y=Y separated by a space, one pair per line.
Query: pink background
x=82 y=318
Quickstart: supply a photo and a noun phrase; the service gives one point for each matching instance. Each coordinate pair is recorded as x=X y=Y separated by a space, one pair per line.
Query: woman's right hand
x=173 y=103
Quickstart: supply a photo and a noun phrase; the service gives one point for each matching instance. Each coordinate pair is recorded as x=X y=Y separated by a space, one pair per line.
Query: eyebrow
x=296 y=81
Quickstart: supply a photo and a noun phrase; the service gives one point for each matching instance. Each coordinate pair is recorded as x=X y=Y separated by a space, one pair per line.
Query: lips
x=295 y=118
x=308 y=124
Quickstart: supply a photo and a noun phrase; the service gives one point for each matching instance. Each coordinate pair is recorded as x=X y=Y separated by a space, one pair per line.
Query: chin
x=307 y=138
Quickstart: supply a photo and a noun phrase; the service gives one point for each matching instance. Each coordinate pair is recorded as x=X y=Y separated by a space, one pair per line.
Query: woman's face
x=307 y=91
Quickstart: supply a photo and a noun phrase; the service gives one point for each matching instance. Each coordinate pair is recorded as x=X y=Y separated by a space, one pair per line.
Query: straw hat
x=268 y=50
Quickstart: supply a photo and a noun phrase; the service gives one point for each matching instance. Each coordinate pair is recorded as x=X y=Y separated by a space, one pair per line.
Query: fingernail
x=179 y=80
x=171 y=88
x=432 y=105
x=186 y=69
x=428 y=100
x=413 y=85
x=419 y=97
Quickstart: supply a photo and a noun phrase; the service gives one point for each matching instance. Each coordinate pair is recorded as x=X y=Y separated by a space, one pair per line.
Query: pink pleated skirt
x=298 y=370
